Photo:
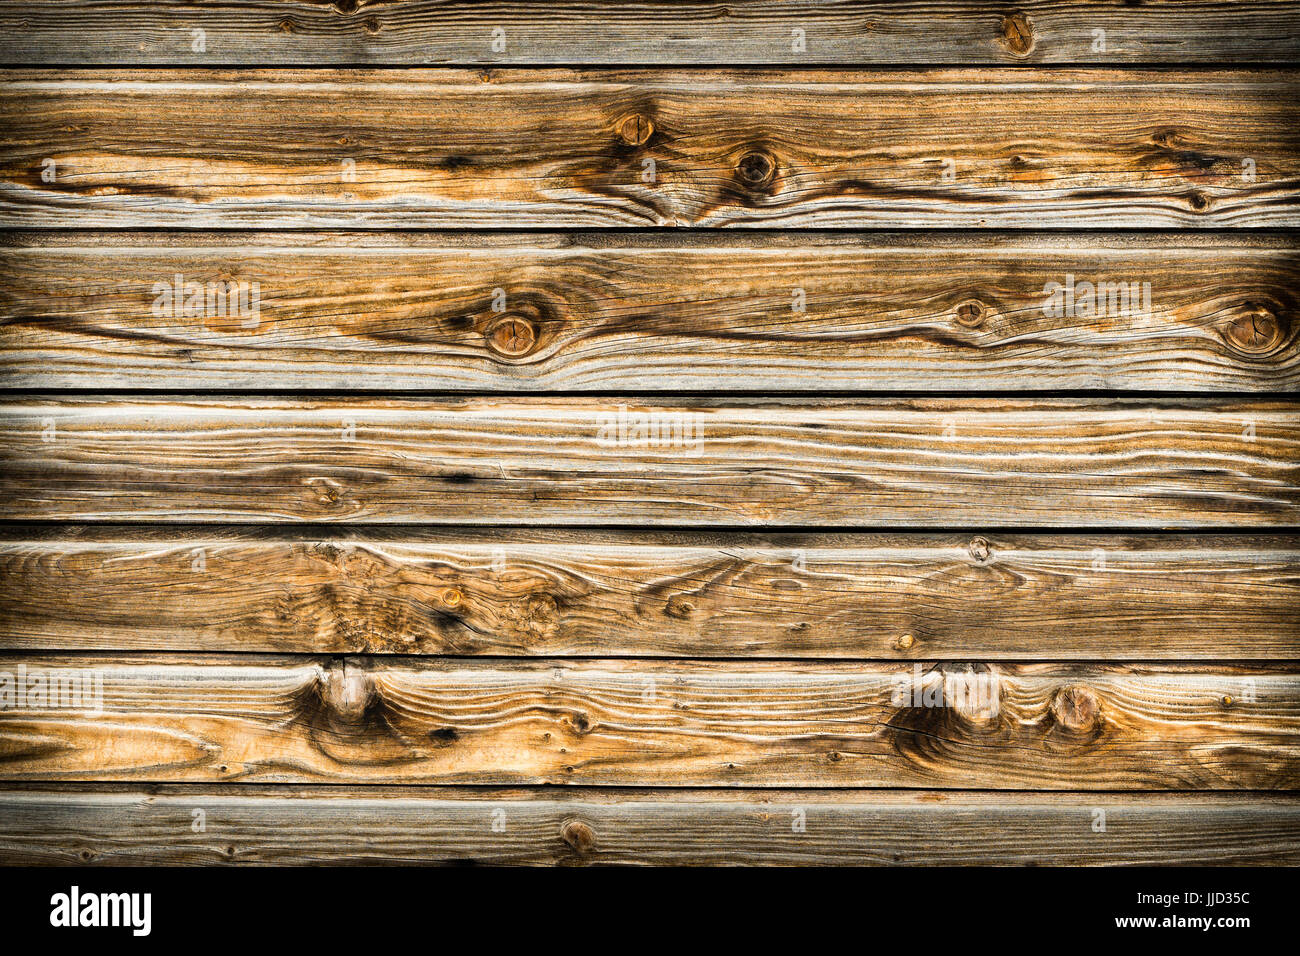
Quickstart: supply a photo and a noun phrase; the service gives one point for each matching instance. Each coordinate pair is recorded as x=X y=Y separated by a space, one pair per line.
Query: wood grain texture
x=301 y=826
x=413 y=32
x=552 y=593
x=446 y=148
x=974 y=463
x=648 y=314
x=1047 y=726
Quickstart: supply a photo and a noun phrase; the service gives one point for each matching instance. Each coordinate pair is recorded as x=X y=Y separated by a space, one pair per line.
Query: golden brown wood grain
x=1049 y=726
x=942 y=576
x=937 y=463
x=556 y=593
x=413 y=32
x=564 y=148
x=293 y=825
x=649 y=314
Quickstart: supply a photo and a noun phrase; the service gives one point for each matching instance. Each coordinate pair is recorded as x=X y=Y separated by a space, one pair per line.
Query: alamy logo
x=1102 y=299
x=179 y=299
x=75 y=908
x=968 y=691
x=680 y=431
x=52 y=690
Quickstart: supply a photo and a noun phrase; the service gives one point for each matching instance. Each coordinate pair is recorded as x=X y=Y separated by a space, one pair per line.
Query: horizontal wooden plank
x=1049 y=726
x=413 y=32
x=530 y=312
x=556 y=148
x=330 y=826
x=552 y=593
x=973 y=463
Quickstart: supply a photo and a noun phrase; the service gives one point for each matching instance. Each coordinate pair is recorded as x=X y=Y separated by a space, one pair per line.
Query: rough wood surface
x=545 y=312
x=1049 y=726
x=302 y=826
x=970 y=463
x=556 y=148
x=684 y=32
x=552 y=593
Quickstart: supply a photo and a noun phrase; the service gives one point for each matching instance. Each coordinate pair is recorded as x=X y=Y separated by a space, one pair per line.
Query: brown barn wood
x=936 y=463
x=700 y=595
x=668 y=32
x=290 y=825
x=992 y=147
x=649 y=313
x=645 y=426
x=1048 y=726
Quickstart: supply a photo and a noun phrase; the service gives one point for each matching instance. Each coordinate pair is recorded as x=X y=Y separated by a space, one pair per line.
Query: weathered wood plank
x=972 y=463
x=1054 y=726
x=555 y=148
x=547 y=312
x=329 y=826
x=413 y=32
x=552 y=593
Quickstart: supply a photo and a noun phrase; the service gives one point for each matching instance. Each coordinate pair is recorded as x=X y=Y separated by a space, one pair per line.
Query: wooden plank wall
x=769 y=432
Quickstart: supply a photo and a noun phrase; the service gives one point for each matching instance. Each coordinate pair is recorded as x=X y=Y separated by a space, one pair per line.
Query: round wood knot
x=1076 y=709
x=636 y=130
x=678 y=607
x=1166 y=138
x=451 y=597
x=971 y=313
x=1255 y=330
x=581 y=724
x=512 y=336
x=1018 y=34
x=980 y=549
x=756 y=168
x=580 y=837
x=905 y=642
x=347 y=692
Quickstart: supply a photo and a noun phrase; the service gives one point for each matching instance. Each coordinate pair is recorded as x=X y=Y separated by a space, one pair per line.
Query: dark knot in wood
x=579 y=837
x=1018 y=34
x=756 y=168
